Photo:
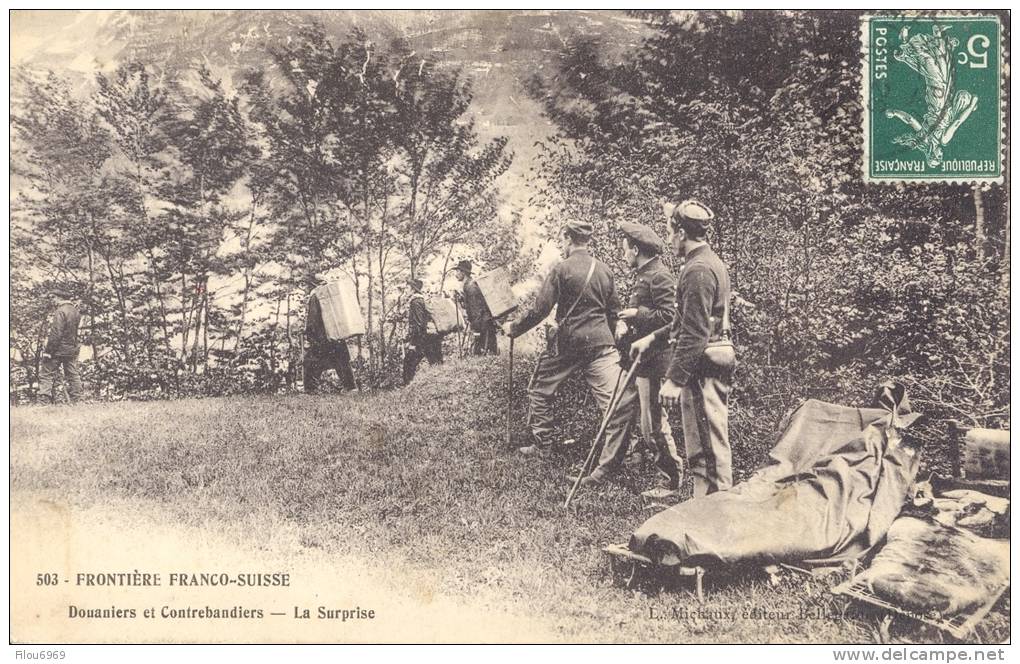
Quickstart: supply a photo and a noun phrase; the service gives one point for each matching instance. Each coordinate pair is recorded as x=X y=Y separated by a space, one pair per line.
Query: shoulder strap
x=587 y=280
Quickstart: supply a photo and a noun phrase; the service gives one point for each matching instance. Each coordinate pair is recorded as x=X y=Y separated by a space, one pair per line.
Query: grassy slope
x=423 y=475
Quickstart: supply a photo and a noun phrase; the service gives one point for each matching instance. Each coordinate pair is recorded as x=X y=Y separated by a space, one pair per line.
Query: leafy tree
x=57 y=229
x=758 y=114
x=377 y=170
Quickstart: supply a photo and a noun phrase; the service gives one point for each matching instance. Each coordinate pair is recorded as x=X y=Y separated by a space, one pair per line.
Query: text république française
x=136 y=578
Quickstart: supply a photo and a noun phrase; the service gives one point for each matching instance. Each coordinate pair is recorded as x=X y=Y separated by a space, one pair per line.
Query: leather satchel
x=719 y=354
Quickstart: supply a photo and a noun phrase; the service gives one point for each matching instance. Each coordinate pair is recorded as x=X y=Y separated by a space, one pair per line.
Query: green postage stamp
x=932 y=93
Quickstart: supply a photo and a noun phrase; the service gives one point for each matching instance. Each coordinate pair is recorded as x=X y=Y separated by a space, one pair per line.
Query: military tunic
x=323 y=353
x=586 y=342
x=421 y=343
x=62 y=348
x=654 y=297
x=703 y=291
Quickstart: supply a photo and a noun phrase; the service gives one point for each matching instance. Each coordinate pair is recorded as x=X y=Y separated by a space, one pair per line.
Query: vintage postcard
x=518 y=326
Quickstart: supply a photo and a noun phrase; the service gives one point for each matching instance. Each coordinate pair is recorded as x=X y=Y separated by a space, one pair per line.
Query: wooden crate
x=495 y=287
x=980 y=461
x=341 y=311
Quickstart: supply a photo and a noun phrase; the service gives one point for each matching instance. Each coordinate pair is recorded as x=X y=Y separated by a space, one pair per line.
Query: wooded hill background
x=187 y=180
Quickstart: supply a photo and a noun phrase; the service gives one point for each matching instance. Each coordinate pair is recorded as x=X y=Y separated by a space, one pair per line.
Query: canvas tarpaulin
x=836 y=480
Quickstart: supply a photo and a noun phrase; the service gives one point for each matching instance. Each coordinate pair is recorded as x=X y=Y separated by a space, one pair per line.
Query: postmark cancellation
x=933 y=98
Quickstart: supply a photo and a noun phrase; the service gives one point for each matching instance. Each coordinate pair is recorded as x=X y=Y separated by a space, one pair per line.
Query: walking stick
x=614 y=401
x=510 y=394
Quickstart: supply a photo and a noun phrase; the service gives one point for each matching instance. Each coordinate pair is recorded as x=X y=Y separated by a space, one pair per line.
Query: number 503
x=46 y=579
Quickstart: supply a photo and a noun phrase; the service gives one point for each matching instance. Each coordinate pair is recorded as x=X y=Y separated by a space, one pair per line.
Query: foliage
x=188 y=213
x=837 y=284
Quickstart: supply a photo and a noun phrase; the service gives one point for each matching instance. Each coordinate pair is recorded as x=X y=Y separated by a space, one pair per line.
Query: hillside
x=499 y=50
x=418 y=484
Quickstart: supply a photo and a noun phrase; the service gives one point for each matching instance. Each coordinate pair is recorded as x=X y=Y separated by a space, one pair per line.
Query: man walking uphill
x=60 y=354
x=582 y=290
x=421 y=343
x=700 y=374
x=483 y=327
x=323 y=353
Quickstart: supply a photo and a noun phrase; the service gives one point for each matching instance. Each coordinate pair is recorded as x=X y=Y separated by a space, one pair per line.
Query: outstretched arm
x=905 y=117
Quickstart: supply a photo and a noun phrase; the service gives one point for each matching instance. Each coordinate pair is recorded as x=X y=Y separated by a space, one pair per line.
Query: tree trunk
x=247 y=272
x=446 y=264
x=164 y=321
x=185 y=319
x=272 y=348
x=92 y=322
x=290 y=347
x=382 y=285
x=367 y=226
x=205 y=329
x=198 y=325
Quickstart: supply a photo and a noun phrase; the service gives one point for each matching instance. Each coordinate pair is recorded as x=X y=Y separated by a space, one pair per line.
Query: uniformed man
x=700 y=374
x=321 y=352
x=651 y=307
x=584 y=294
x=483 y=326
x=60 y=354
x=421 y=344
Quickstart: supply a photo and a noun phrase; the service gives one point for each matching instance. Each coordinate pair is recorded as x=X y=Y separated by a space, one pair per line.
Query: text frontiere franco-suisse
x=136 y=578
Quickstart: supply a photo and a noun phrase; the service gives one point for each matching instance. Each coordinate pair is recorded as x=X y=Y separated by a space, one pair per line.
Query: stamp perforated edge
x=865 y=90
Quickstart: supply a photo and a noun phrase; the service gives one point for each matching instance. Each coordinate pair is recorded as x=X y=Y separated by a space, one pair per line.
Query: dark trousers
x=333 y=356
x=656 y=432
x=485 y=340
x=431 y=347
x=601 y=368
x=49 y=377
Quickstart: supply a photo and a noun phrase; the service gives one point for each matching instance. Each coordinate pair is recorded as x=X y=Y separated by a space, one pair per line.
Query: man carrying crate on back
x=323 y=352
x=483 y=326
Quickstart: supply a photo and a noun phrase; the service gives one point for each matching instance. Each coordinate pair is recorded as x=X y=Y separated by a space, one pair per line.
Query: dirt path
x=50 y=537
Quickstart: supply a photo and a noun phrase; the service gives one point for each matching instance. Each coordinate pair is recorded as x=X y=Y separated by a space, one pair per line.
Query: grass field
x=421 y=478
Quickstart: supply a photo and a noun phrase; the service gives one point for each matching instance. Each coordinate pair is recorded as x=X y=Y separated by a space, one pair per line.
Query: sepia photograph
x=510 y=327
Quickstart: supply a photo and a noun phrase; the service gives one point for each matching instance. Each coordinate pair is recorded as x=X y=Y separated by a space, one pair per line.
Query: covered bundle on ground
x=835 y=482
x=925 y=566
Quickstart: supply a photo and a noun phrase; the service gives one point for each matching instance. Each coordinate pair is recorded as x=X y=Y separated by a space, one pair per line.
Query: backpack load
x=341 y=311
x=495 y=287
x=446 y=315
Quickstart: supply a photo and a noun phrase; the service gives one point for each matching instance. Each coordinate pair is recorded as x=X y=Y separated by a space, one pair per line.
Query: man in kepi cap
x=584 y=294
x=483 y=327
x=651 y=307
x=701 y=366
